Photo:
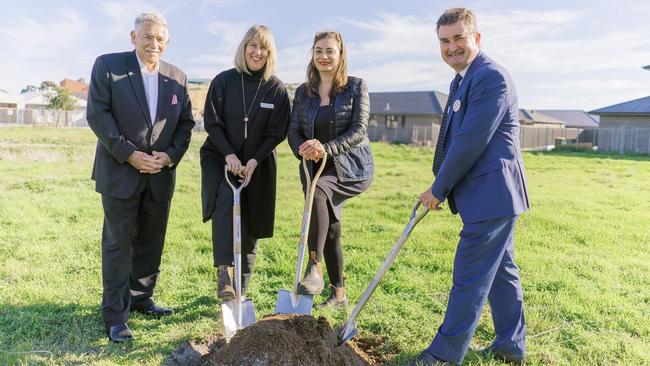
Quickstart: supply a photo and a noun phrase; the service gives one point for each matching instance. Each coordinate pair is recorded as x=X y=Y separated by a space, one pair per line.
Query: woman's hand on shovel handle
x=312 y=150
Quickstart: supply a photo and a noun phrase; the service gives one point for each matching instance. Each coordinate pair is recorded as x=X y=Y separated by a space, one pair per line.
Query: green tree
x=29 y=88
x=46 y=85
x=61 y=100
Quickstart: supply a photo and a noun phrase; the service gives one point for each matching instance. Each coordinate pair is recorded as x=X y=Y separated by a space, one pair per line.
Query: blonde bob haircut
x=266 y=37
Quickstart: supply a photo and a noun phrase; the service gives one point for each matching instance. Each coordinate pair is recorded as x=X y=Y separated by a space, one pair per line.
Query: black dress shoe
x=120 y=333
x=149 y=308
x=513 y=358
x=426 y=359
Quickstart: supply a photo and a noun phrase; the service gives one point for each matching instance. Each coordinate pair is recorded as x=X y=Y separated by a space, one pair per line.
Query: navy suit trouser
x=484 y=267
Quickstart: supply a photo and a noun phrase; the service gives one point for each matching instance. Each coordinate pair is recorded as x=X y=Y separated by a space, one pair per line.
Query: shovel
x=349 y=330
x=237 y=313
x=290 y=302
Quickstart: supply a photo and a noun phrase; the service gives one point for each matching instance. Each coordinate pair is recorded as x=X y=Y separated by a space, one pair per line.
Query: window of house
x=391 y=121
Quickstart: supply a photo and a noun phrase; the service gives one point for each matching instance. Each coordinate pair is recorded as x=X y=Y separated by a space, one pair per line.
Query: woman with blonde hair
x=246 y=117
x=329 y=119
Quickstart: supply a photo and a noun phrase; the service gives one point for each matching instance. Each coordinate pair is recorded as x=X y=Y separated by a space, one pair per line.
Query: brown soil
x=279 y=340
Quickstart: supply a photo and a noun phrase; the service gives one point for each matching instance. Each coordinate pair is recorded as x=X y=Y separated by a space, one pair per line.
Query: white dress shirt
x=150 y=80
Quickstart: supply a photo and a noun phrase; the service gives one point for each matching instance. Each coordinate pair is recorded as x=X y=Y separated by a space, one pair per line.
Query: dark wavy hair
x=340 y=74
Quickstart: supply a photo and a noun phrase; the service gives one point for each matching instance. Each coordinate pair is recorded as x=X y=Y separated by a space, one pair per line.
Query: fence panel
x=621 y=140
x=48 y=117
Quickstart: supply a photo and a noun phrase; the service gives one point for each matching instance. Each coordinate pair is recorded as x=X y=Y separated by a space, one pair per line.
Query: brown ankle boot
x=225 y=290
x=337 y=298
x=312 y=283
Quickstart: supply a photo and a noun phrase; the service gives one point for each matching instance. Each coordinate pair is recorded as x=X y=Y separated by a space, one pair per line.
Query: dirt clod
x=280 y=340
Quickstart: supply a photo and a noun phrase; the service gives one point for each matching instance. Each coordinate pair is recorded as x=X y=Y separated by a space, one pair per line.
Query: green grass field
x=583 y=253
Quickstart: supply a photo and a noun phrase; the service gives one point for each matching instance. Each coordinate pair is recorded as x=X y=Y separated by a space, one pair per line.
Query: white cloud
x=34 y=50
x=29 y=37
x=401 y=53
x=205 y=4
x=221 y=51
x=228 y=33
x=394 y=35
x=123 y=14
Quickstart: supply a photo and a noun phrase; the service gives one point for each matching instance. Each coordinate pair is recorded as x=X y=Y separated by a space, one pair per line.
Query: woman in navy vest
x=330 y=118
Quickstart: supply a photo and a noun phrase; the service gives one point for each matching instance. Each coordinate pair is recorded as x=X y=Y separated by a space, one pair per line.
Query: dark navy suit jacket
x=482 y=175
x=118 y=113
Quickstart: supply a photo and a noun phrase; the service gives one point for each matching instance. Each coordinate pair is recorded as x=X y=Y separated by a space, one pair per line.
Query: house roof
x=408 y=103
x=75 y=86
x=572 y=117
x=198 y=81
x=6 y=98
x=535 y=116
x=36 y=98
x=636 y=106
x=40 y=98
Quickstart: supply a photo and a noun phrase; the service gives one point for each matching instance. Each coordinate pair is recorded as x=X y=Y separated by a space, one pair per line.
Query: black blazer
x=118 y=114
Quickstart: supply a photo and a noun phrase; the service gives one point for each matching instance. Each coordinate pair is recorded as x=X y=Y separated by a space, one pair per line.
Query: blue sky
x=561 y=54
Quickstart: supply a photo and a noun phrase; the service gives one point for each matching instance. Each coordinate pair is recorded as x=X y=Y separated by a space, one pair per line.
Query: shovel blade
x=345 y=333
x=292 y=303
x=230 y=322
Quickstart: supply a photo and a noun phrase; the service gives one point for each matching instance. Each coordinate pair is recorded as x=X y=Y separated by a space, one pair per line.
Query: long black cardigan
x=267 y=127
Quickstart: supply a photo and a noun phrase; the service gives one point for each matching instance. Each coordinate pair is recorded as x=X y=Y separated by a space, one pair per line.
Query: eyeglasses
x=330 y=52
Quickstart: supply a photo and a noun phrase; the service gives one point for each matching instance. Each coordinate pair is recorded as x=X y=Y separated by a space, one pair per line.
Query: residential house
x=34 y=108
x=573 y=118
x=414 y=117
x=405 y=116
x=534 y=118
x=78 y=88
x=625 y=126
x=581 y=127
x=9 y=105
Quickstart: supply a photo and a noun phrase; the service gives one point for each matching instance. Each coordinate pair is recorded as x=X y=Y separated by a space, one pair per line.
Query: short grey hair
x=153 y=17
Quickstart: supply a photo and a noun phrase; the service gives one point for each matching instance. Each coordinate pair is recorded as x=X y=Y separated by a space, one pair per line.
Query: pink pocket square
x=174 y=100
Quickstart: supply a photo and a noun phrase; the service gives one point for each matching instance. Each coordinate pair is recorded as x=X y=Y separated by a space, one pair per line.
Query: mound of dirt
x=280 y=340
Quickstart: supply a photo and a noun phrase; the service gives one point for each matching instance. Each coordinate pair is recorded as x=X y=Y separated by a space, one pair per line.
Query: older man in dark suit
x=139 y=109
x=480 y=172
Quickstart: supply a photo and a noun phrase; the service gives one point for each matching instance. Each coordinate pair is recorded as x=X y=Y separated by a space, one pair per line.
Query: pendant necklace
x=247 y=112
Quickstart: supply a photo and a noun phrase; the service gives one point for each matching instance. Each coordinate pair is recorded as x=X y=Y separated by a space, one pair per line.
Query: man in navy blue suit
x=479 y=171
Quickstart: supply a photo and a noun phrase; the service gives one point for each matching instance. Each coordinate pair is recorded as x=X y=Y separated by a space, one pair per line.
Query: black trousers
x=222 y=234
x=132 y=242
x=325 y=238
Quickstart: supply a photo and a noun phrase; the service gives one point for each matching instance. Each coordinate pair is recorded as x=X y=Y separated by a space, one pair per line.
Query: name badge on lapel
x=456 y=106
x=267 y=105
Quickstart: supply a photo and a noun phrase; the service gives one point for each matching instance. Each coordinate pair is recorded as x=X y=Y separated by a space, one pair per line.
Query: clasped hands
x=312 y=150
x=149 y=163
x=243 y=171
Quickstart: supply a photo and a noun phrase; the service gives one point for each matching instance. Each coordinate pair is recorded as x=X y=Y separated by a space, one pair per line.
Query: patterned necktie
x=444 y=124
